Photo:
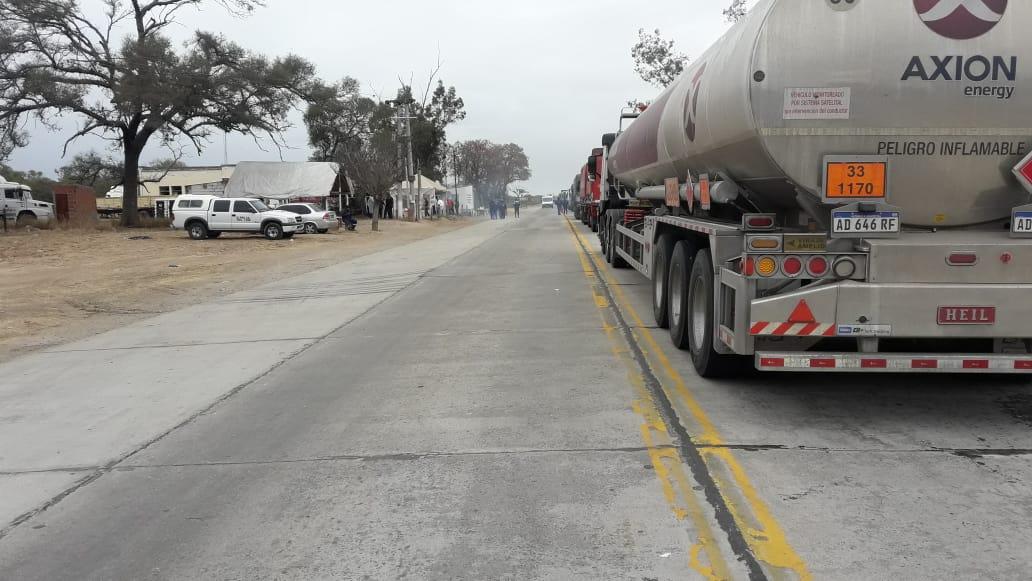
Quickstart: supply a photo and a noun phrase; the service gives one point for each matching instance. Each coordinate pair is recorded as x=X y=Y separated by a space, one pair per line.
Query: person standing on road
x=370 y=206
x=516 y=208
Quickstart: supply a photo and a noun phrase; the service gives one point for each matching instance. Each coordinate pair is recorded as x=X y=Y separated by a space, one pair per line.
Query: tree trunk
x=131 y=186
x=376 y=214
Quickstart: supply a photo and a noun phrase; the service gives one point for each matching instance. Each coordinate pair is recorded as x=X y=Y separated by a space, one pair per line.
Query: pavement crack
x=182 y=345
x=397 y=457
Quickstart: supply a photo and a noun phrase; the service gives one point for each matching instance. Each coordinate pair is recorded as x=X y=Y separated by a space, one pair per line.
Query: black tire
x=681 y=261
x=273 y=231
x=701 y=318
x=197 y=231
x=661 y=280
x=615 y=259
x=26 y=219
x=324 y=231
x=311 y=228
x=214 y=234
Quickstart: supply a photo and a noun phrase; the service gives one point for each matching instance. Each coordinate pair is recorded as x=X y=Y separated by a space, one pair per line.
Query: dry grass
x=77 y=280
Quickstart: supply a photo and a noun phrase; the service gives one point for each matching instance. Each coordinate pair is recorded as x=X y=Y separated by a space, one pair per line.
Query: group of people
x=562 y=205
x=499 y=210
x=440 y=207
x=386 y=207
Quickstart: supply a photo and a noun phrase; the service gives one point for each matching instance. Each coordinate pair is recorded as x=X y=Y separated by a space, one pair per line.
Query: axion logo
x=961 y=19
x=691 y=104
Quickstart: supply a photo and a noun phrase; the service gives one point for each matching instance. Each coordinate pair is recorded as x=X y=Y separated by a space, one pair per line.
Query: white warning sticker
x=817 y=103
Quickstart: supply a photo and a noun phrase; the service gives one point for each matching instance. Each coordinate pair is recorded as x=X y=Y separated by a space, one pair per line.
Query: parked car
x=547 y=202
x=209 y=216
x=314 y=219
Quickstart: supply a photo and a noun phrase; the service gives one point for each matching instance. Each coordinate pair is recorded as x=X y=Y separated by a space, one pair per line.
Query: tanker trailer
x=838 y=185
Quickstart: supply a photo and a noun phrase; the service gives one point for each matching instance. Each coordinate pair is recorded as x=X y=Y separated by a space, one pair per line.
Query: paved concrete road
x=490 y=404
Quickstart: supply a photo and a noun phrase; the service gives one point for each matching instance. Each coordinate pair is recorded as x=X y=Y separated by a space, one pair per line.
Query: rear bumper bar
x=858 y=309
x=893 y=363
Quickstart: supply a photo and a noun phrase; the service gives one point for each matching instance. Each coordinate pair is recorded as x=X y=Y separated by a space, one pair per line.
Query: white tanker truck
x=838 y=185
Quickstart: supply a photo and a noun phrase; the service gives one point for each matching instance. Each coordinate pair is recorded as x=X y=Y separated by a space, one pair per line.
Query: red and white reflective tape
x=855 y=362
x=793 y=329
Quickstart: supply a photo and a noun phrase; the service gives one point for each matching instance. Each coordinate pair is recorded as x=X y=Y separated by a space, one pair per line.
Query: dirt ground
x=60 y=285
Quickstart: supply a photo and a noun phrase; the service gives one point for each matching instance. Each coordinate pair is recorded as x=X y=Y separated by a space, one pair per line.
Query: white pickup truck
x=17 y=205
x=209 y=216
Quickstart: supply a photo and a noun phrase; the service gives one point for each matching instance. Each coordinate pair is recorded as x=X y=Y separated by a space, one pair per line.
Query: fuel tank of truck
x=941 y=88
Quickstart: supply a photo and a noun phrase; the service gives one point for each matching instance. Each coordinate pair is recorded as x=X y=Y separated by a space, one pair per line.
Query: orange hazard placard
x=856 y=180
x=673 y=192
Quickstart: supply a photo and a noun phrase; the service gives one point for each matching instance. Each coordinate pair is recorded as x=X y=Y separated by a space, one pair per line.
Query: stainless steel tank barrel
x=941 y=88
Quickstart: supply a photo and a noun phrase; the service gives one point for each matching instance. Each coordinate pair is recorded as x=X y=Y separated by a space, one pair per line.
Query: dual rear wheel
x=683 y=300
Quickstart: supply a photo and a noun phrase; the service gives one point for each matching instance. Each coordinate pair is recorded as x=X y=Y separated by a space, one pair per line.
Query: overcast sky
x=550 y=75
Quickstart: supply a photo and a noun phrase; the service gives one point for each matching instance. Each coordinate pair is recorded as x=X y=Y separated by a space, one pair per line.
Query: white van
x=209 y=216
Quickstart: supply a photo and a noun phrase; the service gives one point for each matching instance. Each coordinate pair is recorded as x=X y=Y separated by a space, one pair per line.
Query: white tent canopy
x=283 y=180
x=423 y=184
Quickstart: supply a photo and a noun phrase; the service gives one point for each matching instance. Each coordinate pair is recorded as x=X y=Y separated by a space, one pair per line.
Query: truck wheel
x=197 y=231
x=603 y=236
x=701 y=322
x=615 y=259
x=26 y=219
x=678 y=301
x=661 y=281
x=273 y=231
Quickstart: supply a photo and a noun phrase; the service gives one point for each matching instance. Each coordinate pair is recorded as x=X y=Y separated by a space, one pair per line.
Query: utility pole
x=411 y=174
x=406 y=117
x=455 y=178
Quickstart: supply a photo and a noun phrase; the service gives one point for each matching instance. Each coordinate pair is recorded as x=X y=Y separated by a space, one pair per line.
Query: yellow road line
x=762 y=532
x=667 y=463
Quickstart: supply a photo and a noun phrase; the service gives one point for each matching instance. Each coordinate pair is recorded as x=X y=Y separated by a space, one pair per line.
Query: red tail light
x=749 y=266
x=818 y=266
x=792 y=266
x=759 y=222
x=962 y=259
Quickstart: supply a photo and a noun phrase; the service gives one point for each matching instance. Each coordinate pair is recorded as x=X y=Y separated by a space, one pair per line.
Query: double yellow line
x=766 y=539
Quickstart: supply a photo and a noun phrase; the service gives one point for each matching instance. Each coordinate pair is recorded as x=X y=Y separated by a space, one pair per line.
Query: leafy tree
x=656 y=60
x=736 y=11
x=118 y=73
x=338 y=118
x=11 y=137
x=490 y=167
x=93 y=170
x=439 y=108
x=165 y=164
x=373 y=167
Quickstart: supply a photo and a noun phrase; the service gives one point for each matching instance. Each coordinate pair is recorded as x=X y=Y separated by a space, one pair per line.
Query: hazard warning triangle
x=802 y=314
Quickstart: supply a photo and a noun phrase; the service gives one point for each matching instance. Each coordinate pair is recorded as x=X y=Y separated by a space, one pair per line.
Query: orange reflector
x=764 y=243
x=767 y=266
